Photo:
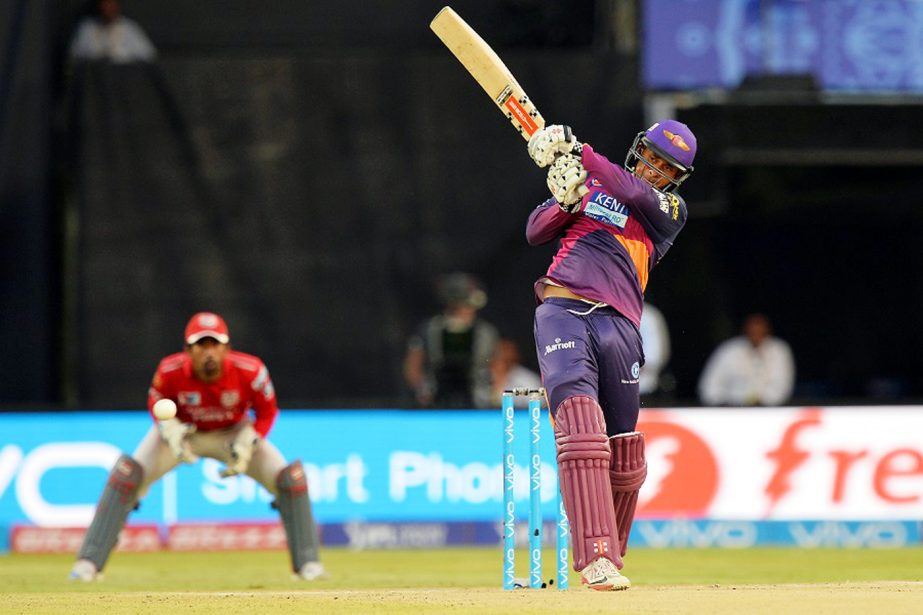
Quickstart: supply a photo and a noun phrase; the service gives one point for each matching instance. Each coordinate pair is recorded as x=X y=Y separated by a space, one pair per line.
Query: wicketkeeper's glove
x=173 y=432
x=241 y=448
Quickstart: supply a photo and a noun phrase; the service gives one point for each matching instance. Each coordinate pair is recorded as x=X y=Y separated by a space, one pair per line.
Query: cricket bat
x=488 y=70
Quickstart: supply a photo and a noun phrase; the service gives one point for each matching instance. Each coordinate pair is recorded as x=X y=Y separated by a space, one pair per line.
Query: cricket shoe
x=84 y=570
x=602 y=575
x=311 y=571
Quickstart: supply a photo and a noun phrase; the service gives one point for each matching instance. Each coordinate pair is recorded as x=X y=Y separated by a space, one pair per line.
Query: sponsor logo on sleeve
x=669 y=204
x=664 y=202
x=263 y=384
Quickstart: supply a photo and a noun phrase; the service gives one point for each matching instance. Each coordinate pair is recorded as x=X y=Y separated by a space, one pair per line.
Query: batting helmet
x=671 y=141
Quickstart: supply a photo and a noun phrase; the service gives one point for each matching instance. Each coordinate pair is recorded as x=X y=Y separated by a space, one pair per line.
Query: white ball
x=164 y=409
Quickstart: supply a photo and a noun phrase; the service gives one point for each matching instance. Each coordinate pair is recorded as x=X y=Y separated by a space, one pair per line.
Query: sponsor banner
x=358 y=535
x=445 y=466
x=784 y=463
x=225 y=537
x=655 y=534
x=704 y=533
x=660 y=534
x=386 y=465
x=30 y=539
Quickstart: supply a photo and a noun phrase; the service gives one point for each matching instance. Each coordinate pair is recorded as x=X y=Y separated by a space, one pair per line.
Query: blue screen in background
x=380 y=465
x=848 y=45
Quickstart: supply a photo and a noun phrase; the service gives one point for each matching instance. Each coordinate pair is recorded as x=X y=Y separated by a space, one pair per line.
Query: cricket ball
x=164 y=409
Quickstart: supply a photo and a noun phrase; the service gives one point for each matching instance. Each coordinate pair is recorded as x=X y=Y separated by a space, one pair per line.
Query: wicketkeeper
x=614 y=225
x=214 y=388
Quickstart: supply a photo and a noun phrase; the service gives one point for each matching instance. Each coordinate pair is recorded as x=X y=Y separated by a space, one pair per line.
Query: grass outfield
x=468 y=581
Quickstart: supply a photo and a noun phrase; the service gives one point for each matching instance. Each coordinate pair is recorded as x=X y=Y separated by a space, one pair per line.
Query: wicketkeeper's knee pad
x=583 y=471
x=295 y=509
x=117 y=500
x=627 y=471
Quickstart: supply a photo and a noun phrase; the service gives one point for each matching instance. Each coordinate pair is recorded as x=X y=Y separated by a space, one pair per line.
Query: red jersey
x=244 y=384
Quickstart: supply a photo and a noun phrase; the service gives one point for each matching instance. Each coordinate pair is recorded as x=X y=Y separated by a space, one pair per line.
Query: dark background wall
x=308 y=170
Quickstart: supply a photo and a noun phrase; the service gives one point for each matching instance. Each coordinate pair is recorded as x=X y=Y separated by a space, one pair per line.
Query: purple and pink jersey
x=608 y=249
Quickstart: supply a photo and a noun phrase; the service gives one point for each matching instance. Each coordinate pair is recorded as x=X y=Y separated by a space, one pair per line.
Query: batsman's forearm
x=546 y=222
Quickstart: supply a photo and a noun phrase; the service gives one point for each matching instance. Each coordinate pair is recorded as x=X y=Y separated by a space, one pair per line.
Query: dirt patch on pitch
x=886 y=597
x=890 y=597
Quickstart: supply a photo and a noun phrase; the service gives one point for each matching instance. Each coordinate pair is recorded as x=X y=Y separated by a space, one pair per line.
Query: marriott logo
x=559 y=345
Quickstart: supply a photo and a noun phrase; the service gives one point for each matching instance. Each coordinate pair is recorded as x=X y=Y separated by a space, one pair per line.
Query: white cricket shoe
x=84 y=570
x=311 y=571
x=602 y=575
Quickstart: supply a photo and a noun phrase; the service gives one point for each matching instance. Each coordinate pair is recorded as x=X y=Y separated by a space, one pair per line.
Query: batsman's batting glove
x=241 y=448
x=566 y=180
x=173 y=432
x=550 y=142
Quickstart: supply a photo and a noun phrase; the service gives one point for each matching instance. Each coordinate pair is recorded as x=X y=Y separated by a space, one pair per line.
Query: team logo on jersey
x=606 y=209
x=189 y=398
x=635 y=374
x=676 y=140
x=595 y=182
x=559 y=345
x=229 y=399
x=674 y=204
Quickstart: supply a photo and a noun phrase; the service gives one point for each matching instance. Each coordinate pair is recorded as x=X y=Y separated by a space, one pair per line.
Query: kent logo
x=606 y=209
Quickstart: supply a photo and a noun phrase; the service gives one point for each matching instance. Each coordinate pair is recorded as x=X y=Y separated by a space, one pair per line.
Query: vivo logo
x=735 y=534
x=841 y=534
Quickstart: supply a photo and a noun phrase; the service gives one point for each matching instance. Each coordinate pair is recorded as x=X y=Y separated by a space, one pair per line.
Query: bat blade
x=488 y=70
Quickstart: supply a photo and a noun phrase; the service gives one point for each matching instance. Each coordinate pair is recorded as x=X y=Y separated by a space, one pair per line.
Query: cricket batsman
x=213 y=389
x=614 y=224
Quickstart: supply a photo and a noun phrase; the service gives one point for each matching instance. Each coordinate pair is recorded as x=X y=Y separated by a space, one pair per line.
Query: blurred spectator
x=507 y=372
x=105 y=34
x=447 y=360
x=655 y=341
x=752 y=369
